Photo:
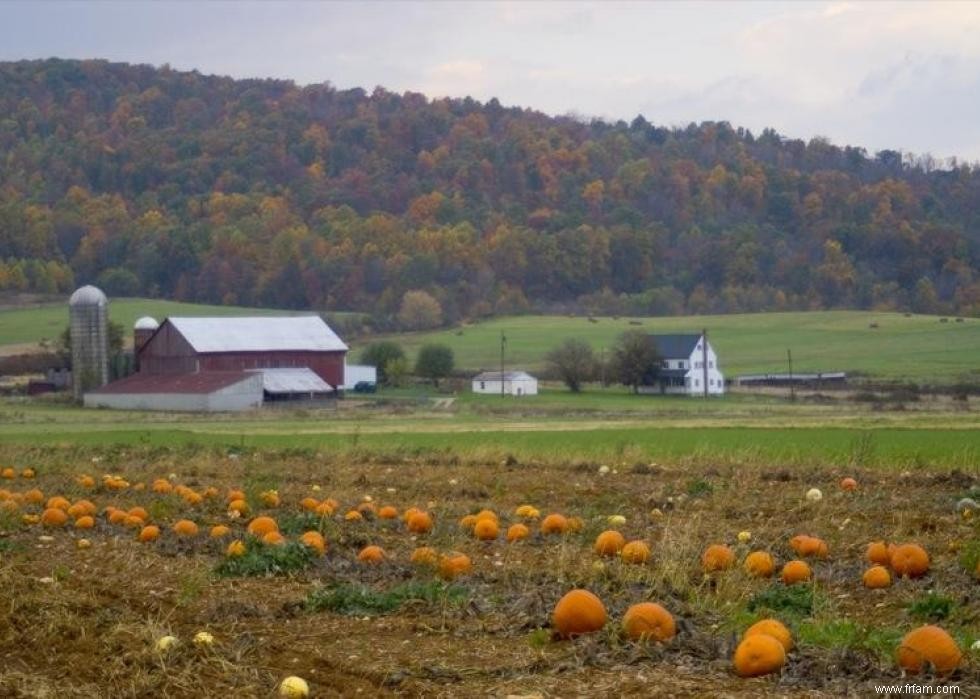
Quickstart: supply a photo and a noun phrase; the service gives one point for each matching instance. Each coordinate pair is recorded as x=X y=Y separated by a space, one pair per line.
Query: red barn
x=189 y=345
x=228 y=364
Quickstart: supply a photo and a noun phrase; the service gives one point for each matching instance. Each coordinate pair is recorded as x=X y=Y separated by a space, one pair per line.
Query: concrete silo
x=143 y=330
x=88 y=316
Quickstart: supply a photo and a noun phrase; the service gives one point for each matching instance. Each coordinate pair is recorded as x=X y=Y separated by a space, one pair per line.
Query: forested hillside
x=261 y=192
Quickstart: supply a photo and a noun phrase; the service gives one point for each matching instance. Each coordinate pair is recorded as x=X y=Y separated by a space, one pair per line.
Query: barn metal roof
x=199 y=382
x=258 y=334
x=293 y=381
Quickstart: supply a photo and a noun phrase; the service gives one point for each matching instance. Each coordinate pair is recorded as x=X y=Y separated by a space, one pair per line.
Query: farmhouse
x=515 y=383
x=227 y=364
x=689 y=365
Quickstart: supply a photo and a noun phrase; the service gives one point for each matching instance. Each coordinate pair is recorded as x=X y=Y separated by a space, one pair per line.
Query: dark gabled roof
x=200 y=382
x=676 y=346
x=673 y=373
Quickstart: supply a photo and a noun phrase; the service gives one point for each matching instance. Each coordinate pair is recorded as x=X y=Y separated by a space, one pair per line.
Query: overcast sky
x=875 y=74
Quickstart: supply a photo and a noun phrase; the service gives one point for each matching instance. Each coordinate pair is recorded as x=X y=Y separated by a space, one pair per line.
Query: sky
x=899 y=75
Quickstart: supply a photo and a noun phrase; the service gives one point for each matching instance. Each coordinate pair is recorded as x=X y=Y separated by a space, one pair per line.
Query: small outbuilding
x=512 y=383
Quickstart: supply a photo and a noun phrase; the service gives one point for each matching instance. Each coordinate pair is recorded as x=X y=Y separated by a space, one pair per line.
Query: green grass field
x=31 y=325
x=611 y=426
x=918 y=348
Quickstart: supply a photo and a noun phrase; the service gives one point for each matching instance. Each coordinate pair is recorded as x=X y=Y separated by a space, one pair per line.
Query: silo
x=143 y=330
x=88 y=316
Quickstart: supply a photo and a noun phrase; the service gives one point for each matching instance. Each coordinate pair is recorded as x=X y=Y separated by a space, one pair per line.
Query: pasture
x=30 y=325
x=916 y=348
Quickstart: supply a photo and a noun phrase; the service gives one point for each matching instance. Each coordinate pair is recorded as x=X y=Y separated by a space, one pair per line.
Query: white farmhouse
x=515 y=383
x=689 y=363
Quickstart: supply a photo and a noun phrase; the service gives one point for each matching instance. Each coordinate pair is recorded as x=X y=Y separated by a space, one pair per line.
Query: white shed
x=515 y=383
x=359 y=373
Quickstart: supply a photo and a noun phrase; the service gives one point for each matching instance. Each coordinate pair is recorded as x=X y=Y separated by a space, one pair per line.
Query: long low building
x=208 y=391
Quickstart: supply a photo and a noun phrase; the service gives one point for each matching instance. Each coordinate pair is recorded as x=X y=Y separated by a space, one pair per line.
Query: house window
x=666 y=364
x=697 y=383
x=711 y=365
x=697 y=365
x=483 y=385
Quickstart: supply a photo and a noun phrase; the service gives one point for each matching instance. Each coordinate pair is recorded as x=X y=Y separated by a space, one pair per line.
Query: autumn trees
x=425 y=212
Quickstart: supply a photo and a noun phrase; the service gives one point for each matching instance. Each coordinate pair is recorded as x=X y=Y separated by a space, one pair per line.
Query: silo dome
x=88 y=296
x=146 y=323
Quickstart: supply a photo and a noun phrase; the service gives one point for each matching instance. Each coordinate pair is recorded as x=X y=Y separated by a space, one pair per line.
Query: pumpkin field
x=193 y=572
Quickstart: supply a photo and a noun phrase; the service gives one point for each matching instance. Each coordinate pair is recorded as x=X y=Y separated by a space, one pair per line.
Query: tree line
x=151 y=181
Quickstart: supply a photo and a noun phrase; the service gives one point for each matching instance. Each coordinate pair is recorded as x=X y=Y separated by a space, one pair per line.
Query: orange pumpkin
x=315 y=541
x=133 y=522
x=309 y=504
x=117 y=516
x=453 y=565
x=635 y=552
x=58 y=502
x=578 y=612
x=486 y=529
x=774 y=628
x=485 y=514
x=517 y=532
x=162 y=486
x=54 y=517
x=185 y=528
x=848 y=484
x=239 y=506
x=759 y=654
x=759 y=564
x=717 y=557
x=910 y=560
x=235 y=494
x=554 y=524
x=467 y=522
x=425 y=556
x=371 y=554
x=388 y=512
x=235 y=548
x=139 y=512
x=149 y=533
x=648 y=621
x=273 y=538
x=353 y=516
x=260 y=526
x=84 y=522
x=9 y=473
x=609 y=543
x=876 y=578
x=27 y=473
x=420 y=523
x=219 y=531
x=34 y=496
x=796 y=572
x=807 y=546
x=878 y=553
x=932 y=645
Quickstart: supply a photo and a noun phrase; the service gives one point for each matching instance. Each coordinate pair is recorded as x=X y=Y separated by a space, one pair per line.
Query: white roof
x=88 y=295
x=259 y=334
x=293 y=381
x=508 y=376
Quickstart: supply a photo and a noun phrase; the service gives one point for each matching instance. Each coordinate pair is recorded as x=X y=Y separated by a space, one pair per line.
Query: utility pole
x=503 y=343
x=792 y=386
x=704 y=359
